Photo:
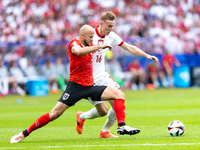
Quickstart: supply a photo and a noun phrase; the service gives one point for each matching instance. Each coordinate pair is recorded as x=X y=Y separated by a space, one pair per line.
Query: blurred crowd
x=15 y=75
x=172 y=25
x=145 y=75
x=155 y=26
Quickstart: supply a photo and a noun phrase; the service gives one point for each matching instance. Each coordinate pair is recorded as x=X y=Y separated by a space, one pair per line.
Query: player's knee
x=54 y=114
x=103 y=112
x=102 y=109
x=120 y=95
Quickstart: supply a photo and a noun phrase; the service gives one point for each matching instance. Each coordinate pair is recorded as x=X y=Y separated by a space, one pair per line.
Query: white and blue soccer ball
x=176 y=128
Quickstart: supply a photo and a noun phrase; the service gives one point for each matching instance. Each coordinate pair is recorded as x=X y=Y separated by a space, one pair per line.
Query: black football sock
x=121 y=124
x=25 y=133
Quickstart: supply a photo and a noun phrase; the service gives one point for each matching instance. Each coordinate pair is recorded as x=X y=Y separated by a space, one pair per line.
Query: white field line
x=112 y=145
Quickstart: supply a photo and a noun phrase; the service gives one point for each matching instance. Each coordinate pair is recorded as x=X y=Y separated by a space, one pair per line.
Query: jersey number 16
x=99 y=58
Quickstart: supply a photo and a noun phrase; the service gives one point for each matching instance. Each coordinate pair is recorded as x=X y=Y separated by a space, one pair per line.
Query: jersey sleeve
x=117 y=41
x=73 y=43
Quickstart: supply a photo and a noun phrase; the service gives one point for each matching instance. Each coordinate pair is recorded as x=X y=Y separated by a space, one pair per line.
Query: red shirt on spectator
x=152 y=68
x=134 y=65
x=170 y=59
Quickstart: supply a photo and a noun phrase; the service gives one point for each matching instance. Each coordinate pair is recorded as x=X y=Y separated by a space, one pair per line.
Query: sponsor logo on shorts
x=65 y=96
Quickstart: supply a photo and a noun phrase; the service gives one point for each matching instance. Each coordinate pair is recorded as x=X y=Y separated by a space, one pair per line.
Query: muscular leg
x=118 y=96
x=111 y=119
x=119 y=107
x=110 y=94
x=100 y=110
x=58 y=110
x=116 y=99
x=45 y=119
x=41 y=121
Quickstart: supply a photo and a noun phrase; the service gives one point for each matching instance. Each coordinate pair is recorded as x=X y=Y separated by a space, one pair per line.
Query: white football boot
x=127 y=130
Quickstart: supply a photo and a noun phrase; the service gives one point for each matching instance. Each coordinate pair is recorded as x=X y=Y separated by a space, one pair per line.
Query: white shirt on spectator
x=39 y=10
x=158 y=10
x=82 y=4
x=106 y=3
x=174 y=45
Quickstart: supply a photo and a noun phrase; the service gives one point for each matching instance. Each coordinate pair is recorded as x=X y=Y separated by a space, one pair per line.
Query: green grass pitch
x=151 y=111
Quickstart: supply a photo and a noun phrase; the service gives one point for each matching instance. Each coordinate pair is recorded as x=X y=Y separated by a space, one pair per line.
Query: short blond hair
x=107 y=16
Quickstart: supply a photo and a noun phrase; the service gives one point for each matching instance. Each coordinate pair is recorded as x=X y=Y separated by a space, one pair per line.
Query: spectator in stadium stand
x=81 y=79
x=123 y=78
x=57 y=16
x=169 y=60
x=8 y=83
x=61 y=73
x=197 y=44
x=48 y=70
x=4 y=79
x=30 y=70
x=138 y=75
x=154 y=73
x=18 y=77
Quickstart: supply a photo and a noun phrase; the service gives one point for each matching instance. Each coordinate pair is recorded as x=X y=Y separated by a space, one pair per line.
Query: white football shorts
x=105 y=80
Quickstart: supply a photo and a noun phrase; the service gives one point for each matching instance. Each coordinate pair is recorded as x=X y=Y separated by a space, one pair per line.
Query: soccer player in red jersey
x=81 y=85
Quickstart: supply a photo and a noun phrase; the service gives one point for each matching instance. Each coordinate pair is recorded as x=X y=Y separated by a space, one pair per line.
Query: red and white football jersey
x=99 y=56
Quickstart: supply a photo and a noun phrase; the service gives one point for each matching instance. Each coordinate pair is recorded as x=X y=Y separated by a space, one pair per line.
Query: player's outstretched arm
x=138 y=52
x=86 y=50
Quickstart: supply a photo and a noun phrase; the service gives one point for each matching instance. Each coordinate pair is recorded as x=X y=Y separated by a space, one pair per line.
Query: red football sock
x=40 y=122
x=120 y=110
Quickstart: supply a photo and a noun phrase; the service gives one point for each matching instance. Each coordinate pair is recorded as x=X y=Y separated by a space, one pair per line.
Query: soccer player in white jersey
x=104 y=34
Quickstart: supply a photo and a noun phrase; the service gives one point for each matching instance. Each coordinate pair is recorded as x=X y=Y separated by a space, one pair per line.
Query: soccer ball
x=176 y=128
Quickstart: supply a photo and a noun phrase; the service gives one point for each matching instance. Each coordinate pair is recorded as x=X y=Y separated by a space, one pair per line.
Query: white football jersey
x=99 y=56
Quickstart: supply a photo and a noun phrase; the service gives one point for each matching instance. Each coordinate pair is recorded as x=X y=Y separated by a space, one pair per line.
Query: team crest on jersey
x=100 y=42
x=65 y=96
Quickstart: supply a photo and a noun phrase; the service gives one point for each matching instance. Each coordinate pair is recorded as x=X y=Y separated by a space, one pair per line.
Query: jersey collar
x=97 y=32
